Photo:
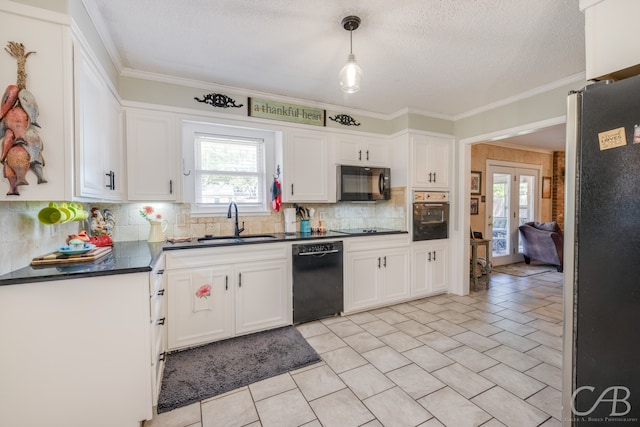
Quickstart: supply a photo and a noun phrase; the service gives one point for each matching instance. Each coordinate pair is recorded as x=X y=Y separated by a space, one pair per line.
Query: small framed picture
x=546 y=187
x=475 y=201
x=476 y=182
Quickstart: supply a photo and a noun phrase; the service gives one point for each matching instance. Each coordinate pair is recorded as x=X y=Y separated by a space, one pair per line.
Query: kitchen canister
x=305 y=226
x=290 y=220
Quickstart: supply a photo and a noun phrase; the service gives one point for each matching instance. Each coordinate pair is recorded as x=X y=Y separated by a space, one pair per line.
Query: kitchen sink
x=239 y=239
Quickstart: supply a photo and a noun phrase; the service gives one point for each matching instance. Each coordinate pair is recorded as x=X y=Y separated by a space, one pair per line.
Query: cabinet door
x=152 y=148
x=430 y=161
x=395 y=268
x=376 y=153
x=262 y=297
x=439 y=267
x=195 y=317
x=349 y=149
x=430 y=268
x=363 y=280
x=98 y=126
x=420 y=271
x=306 y=174
x=361 y=151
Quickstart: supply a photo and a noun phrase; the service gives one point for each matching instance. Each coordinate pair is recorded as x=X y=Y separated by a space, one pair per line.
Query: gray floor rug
x=203 y=372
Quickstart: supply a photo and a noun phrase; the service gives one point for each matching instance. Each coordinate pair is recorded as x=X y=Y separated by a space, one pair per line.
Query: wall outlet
x=53 y=230
x=322 y=215
x=181 y=219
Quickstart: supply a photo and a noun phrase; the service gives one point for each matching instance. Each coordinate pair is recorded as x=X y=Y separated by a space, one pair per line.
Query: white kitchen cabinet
x=308 y=175
x=609 y=33
x=430 y=159
x=250 y=291
x=99 y=145
x=195 y=320
x=261 y=297
x=158 y=315
x=361 y=151
x=77 y=350
x=152 y=155
x=430 y=264
x=376 y=272
x=49 y=79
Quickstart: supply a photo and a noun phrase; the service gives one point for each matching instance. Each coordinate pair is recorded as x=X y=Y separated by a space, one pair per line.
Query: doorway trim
x=461 y=244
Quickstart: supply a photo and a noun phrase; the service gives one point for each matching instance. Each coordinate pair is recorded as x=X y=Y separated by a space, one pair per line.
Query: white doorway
x=511 y=201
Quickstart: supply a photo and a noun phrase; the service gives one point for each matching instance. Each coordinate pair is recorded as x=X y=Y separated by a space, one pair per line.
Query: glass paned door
x=511 y=203
x=501 y=242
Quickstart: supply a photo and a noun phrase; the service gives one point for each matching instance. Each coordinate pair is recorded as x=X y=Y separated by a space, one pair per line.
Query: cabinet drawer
x=201 y=257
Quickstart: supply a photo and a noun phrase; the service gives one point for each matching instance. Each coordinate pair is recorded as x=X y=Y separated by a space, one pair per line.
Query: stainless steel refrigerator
x=601 y=360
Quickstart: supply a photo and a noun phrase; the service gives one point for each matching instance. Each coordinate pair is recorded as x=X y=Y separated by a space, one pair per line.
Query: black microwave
x=363 y=184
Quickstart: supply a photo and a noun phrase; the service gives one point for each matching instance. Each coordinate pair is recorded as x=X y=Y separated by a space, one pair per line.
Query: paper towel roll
x=290 y=220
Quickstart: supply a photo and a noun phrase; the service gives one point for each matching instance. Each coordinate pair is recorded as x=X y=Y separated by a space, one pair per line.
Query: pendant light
x=351 y=73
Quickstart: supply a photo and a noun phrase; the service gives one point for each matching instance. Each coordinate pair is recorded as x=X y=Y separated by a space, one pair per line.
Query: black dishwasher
x=317 y=281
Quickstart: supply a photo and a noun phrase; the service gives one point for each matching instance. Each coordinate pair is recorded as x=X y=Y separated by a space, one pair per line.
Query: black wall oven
x=430 y=215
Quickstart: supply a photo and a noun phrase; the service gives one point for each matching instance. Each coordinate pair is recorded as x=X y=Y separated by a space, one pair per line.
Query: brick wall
x=557 y=194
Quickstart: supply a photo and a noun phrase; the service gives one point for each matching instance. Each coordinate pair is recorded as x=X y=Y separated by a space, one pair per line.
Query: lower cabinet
x=226 y=293
x=376 y=272
x=77 y=350
x=158 y=313
x=430 y=264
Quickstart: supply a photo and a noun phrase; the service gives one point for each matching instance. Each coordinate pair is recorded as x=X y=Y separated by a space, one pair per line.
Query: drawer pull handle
x=161 y=292
x=162 y=356
x=160 y=321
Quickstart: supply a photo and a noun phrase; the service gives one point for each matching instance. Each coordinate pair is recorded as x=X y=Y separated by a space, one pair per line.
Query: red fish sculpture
x=21 y=143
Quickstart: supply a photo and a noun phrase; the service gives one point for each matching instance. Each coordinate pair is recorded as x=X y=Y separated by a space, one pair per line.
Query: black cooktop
x=365 y=230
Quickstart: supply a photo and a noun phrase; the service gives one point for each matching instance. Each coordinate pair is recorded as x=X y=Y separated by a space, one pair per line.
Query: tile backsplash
x=23 y=237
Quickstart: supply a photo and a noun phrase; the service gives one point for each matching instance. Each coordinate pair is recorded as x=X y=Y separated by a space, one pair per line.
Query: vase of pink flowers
x=157 y=225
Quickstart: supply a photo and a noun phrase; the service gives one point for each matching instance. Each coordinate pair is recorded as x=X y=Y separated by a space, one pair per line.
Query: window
x=229 y=164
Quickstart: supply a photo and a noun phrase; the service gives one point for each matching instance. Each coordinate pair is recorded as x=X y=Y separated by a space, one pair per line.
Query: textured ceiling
x=445 y=57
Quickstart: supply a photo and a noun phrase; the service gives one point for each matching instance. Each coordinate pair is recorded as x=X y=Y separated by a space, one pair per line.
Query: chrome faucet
x=238 y=230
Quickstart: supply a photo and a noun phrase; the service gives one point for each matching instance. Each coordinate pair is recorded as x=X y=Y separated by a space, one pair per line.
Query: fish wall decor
x=21 y=143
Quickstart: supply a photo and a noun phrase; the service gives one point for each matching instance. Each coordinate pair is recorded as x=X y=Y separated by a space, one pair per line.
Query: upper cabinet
x=99 y=153
x=610 y=28
x=152 y=155
x=308 y=175
x=430 y=159
x=49 y=79
x=361 y=151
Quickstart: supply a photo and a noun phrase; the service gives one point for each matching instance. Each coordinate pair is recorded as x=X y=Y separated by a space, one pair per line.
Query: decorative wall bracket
x=218 y=100
x=345 y=120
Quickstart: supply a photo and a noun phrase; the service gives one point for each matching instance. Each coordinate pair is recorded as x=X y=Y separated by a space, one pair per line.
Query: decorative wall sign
x=286 y=112
x=218 y=100
x=345 y=120
x=21 y=142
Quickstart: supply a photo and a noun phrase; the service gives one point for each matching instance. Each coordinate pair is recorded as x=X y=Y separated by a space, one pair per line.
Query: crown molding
x=524 y=95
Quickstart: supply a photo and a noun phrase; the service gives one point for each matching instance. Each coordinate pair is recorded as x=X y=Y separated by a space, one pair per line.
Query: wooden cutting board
x=60 y=258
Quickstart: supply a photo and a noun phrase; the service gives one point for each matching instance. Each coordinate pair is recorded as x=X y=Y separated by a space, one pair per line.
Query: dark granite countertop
x=140 y=256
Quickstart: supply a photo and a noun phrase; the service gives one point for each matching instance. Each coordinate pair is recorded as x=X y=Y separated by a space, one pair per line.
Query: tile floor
x=492 y=358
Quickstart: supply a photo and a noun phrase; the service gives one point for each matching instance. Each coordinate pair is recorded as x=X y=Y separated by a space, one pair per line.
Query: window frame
x=191 y=131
